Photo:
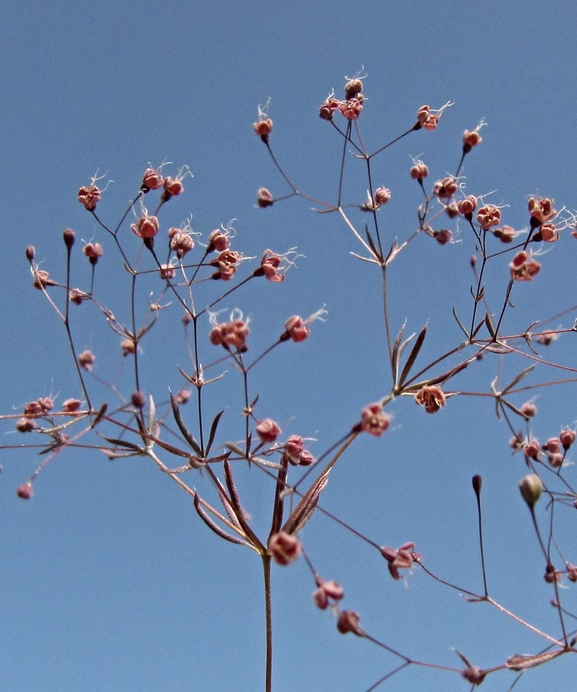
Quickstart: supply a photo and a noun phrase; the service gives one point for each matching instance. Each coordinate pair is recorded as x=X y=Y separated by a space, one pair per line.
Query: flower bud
x=531 y=487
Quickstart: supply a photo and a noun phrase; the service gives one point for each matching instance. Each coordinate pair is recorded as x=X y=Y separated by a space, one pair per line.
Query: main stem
x=268 y=614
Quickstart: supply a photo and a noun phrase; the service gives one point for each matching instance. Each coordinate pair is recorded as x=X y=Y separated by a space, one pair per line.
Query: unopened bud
x=69 y=237
x=531 y=487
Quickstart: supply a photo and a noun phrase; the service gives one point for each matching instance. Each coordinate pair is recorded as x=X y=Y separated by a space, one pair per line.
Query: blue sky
x=109 y=581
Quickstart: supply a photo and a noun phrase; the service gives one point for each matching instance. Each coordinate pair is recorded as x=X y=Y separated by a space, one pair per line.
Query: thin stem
x=266 y=560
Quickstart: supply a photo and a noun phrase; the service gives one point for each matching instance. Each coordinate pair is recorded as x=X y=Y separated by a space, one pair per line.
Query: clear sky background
x=108 y=580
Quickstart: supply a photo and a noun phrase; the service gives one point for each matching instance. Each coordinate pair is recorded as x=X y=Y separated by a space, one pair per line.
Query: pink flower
x=93 y=251
x=86 y=360
x=349 y=622
x=89 y=197
x=374 y=420
x=523 y=268
x=351 y=109
x=146 y=227
x=172 y=188
x=263 y=128
x=541 y=210
x=230 y=334
x=297 y=329
x=25 y=491
x=328 y=593
x=549 y=233
x=428 y=119
x=265 y=198
x=284 y=548
x=227 y=263
x=467 y=206
x=445 y=188
x=402 y=558
x=218 y=241
x=432 y=398
x=152 y=180
x=419 y=171
x=488 y=215
x=181 y=243
x=268 y=430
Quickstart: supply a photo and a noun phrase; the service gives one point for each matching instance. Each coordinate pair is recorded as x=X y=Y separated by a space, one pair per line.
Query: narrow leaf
x=413 y=355
x=395 y=353
x=214 y=526
x=182 y=427
x=518 y=379
x=123 y=443
x=306 y=507
x=490 y=327
x=213 y=429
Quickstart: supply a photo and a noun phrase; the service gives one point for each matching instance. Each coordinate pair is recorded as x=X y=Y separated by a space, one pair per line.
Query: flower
x=145 y=227
x=93 y=251
x=472 y=138
x=89 y=197
x=445 y=188
x=284 y=548
x=151 y=180
x=402 y=558
x=541 y=210
x=419 y=171
x=268 y=430
x=86 y=360
x=263 y=125
x=373 y=419
x=265 y=198
x=428 y=119
x=227 y=263
x=327 y=592
x=523 y=268
x=230 y=334
x=432 y=398
x=488 y=215
x=351 y=109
